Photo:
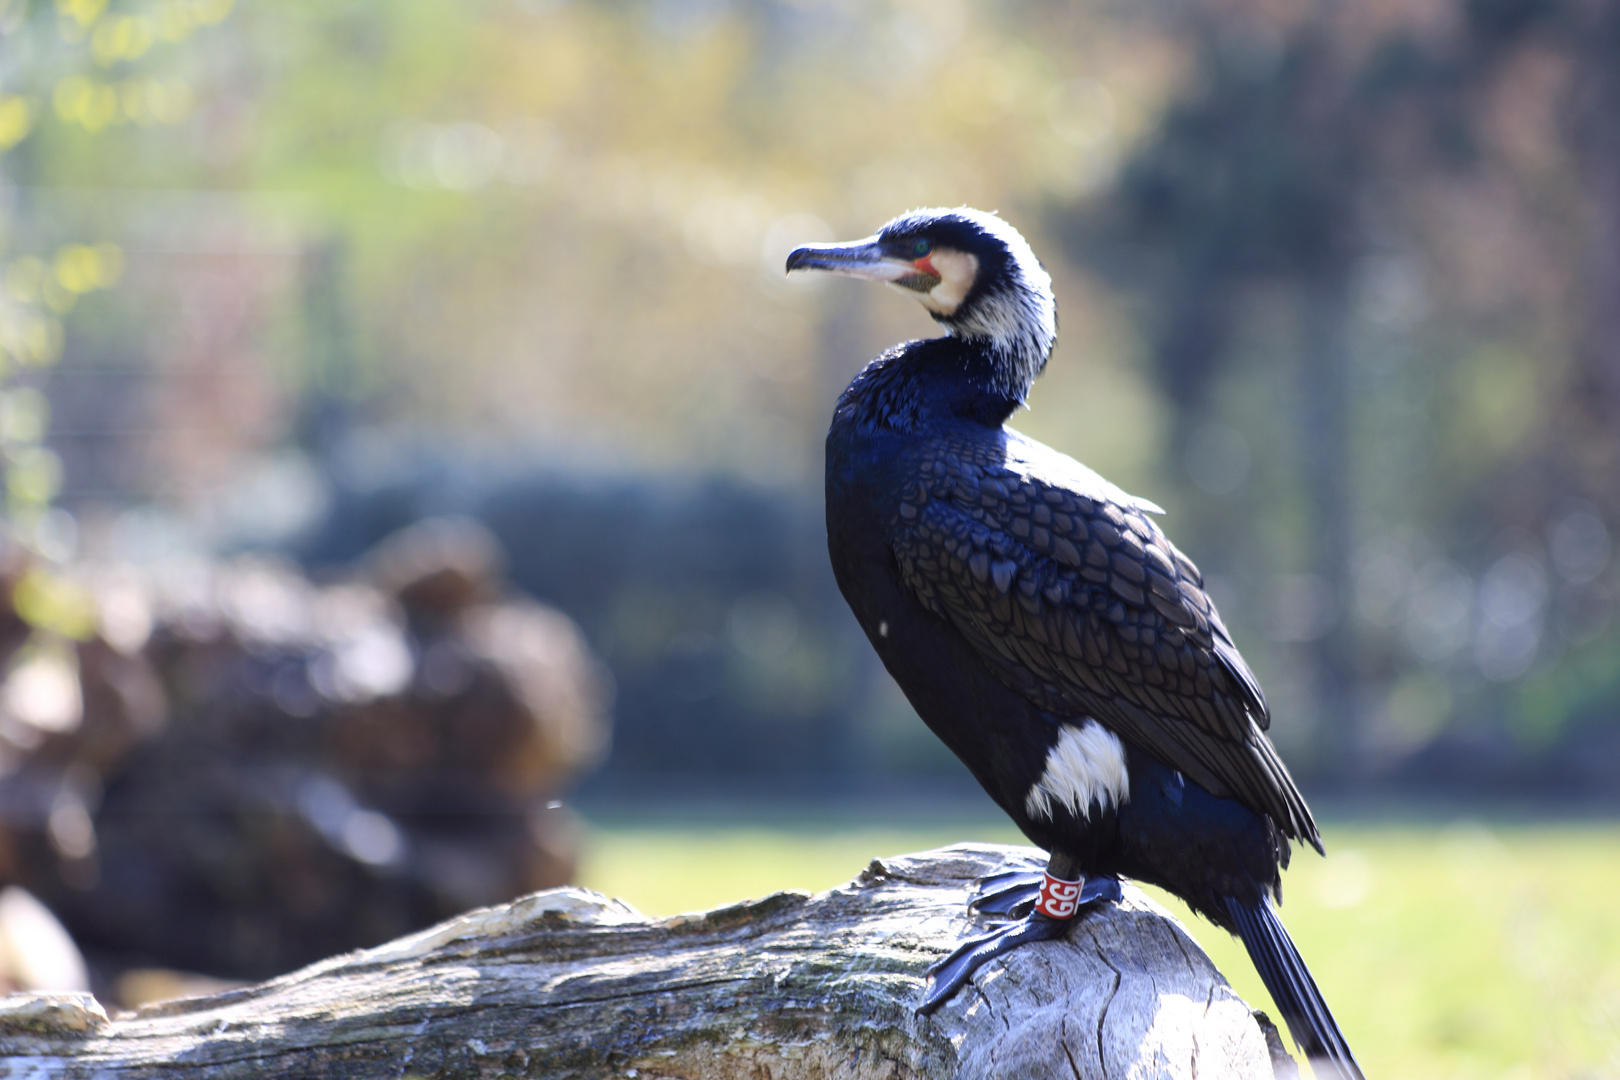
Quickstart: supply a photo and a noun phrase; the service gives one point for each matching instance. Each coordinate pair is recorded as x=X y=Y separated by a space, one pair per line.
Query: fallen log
x=568 y=983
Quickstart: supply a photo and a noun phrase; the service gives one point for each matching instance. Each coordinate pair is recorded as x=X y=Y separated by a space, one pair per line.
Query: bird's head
x=973 y=272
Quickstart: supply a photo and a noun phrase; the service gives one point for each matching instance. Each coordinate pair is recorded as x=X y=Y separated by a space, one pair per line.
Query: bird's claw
x=1002 y=895
x=953 y=971
x=1008 y=877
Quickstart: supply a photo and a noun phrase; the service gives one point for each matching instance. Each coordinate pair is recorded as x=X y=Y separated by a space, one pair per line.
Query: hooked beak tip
x=797 y=258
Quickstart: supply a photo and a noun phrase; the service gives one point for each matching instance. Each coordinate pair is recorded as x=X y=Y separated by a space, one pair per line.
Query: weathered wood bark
x=567 y=983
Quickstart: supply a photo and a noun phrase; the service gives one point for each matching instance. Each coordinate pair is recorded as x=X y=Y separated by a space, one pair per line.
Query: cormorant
x=1045 y=629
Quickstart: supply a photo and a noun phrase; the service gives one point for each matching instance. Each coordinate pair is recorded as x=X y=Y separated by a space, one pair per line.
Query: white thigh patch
x=1086 y=766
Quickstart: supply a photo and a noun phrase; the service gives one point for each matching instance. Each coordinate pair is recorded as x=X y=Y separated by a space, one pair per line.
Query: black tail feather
x=1283 y=971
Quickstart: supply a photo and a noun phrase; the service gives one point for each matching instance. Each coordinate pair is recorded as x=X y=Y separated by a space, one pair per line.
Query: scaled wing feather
x=1075 y=599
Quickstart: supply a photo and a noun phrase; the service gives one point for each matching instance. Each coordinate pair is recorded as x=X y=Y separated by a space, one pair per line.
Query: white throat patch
x=1087 y=766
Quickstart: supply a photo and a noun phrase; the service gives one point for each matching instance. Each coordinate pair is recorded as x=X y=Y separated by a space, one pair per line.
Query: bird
x=1045 y=629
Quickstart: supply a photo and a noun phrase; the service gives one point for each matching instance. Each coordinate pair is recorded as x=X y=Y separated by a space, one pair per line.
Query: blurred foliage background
x=1339 y=287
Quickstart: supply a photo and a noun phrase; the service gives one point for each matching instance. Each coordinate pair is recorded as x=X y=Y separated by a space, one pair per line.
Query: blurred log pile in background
x=237 y=771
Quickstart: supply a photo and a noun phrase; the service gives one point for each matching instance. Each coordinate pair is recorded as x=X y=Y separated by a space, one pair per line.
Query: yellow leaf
x=46 y=602
x=209 y=12
x=70 y=97
x=83 y=12
x=35 y=475
x=16 y=120
x=175 y=21
x=78 y=268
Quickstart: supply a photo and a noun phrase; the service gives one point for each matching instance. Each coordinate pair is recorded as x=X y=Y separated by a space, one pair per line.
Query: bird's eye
x=919 y=248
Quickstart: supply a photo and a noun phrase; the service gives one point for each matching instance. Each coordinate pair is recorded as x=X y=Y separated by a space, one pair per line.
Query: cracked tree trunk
x=567 y=983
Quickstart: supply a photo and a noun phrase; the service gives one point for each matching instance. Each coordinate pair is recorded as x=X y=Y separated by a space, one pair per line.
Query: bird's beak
x=862 y=259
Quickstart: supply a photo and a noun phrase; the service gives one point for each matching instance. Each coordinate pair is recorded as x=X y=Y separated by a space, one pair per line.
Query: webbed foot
x=949 y=974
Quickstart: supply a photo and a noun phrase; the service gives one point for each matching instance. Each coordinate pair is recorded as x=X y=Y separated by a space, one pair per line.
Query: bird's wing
x=1075 y=598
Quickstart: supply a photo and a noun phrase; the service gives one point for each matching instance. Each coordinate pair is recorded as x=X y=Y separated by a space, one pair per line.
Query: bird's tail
x=1284 y=972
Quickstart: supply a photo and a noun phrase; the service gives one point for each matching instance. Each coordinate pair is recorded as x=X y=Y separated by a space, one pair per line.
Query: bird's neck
x=935 y=379
x=1009 y=332
x=993 y=380
x=1004 y=367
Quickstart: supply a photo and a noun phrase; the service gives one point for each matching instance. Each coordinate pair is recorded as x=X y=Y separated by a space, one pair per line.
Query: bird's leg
x=1063 y=891
x=1012 y=893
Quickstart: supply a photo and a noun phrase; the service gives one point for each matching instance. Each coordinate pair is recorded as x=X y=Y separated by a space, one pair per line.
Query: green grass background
x=1447 y=950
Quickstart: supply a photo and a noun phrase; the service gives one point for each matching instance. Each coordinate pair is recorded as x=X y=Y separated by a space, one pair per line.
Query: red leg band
x=1059 y=899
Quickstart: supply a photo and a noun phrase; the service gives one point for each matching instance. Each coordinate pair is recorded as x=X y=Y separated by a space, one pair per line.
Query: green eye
x=919 y=248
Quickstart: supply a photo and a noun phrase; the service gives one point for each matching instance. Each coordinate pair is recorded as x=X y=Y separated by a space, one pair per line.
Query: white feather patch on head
x=1086 y=767
x=957 y=272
